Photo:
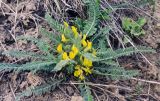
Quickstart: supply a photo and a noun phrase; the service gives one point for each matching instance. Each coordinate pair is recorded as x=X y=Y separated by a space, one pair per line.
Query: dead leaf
x=8 y=97
x=34 y=80
x=70 y=90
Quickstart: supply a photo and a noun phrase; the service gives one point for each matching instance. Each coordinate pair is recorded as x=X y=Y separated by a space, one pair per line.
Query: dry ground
x=23 y=17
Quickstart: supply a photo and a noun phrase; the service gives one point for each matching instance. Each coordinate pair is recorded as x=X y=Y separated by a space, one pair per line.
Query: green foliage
x=40 y=43
x=61 y=64
x=134 y=28
x=86 y=92
x=104 y=32
x=110 y=54
x=8 y=66
x=115 y=73
x=24 y=54
x=39 y=90
x=105 y=14
x=36 y=66
x=109 y=62
x=106 y=66
x=53 y=37
x=89 y=25
x=54 y=24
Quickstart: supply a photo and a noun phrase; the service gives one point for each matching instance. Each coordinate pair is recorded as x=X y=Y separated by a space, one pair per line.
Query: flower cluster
x=72 y=46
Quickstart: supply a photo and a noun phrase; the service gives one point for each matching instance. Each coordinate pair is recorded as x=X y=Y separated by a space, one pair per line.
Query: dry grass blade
x=58 y=6
x=101 y=85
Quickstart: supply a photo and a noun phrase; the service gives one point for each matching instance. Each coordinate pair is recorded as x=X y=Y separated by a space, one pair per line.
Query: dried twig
x=64 y=92
x=12 y=91
x=96 y=95
x=147 y=81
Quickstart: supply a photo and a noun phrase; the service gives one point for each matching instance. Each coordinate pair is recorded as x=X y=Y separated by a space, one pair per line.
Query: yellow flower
x=75 y=32
x=65 y=24
x=77 y=67
x=81 y=77
x=63 y=38
x=72 y=55
x=87 y=62
x=89 y=46
x=76 y=73
x=79 y=72
x=84 y=36
x=75 y=49
x=84 y=43
x=74 y=52
x=59 y=48
x=65 y=56
x=87 y=70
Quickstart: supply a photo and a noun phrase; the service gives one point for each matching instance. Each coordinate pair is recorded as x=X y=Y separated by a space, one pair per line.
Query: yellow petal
x=72 y=55
x=63 y=38
x=87 y=62
x=66 y=24
x=84 y=36
x=74 y=30
x=75 y=49
x=79 y=72
x=87 y=70
x=65 y=56
x=81 y=77
x=77 y=67
x=89 y=46
x=59 y=48
x=76 y=73
x=84 y=43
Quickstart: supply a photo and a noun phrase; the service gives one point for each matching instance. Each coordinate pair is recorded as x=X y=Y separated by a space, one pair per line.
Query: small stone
x=76 y=98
